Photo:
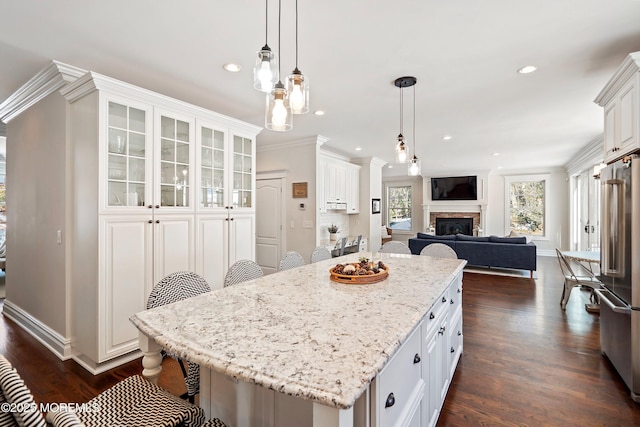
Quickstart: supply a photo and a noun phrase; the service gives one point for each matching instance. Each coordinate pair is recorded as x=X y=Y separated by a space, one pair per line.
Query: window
x=526 y=204
x=399 y=207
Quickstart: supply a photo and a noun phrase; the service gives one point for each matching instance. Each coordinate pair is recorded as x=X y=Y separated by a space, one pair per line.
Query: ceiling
x=464 y=54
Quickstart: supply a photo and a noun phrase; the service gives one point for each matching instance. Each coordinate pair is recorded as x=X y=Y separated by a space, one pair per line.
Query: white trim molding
x=51 y=339
x=53 y=77
x=318 y=140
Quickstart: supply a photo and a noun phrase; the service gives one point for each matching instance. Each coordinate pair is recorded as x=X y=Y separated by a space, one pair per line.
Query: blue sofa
x=491 y=251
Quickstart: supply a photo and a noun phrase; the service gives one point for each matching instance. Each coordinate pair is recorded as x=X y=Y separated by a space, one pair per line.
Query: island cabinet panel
x=398 y=390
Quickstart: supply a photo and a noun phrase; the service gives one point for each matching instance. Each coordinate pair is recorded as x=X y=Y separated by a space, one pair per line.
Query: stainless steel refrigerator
x=620 y=269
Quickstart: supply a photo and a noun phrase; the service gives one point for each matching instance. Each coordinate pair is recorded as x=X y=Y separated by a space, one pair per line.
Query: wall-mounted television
x=455 y=188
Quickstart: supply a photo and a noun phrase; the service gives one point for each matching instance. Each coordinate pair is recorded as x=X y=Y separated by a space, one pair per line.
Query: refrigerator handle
x=603 y=296
x=613 y=233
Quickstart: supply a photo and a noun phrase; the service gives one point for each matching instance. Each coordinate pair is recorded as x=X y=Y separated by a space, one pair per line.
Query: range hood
x=337 y=206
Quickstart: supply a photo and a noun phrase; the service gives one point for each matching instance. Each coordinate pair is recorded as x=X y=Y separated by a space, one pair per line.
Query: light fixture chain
x=279 y=25
x=414 y=120
x=266 y=22
x=296 y=34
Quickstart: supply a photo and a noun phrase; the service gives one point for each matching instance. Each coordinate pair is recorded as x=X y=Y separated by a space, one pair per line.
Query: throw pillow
x=513 y=240
x=432 y=237
x=383 y=231
x=516 y=234
x=466 y=237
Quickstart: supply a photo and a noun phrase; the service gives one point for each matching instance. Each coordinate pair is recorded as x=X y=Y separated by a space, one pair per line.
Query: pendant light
x=401 y=148
x=265 y=71
x=414 y=167
x=298 y=84
x=278 y=115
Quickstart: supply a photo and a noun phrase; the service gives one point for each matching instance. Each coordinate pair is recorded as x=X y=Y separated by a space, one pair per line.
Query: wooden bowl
x=359 y=280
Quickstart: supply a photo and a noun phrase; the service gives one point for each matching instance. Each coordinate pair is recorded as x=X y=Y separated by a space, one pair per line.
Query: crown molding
x=373 y=161
x=53 y=77
x=629 y=67
x=318 y=140
x=586 y=157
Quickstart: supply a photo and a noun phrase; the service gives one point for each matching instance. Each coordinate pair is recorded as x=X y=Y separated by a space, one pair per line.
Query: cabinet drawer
x=399 y=387
x=455 y=342
x=434 y=315
x=455 y=297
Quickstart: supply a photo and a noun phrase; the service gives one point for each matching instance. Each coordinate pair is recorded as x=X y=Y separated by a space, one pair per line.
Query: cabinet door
x=353 y=190
x=242 y=167
x=174 y=157
x=242 y=237
x=127 y=149
x=610 y=143
x=213 y=180
x=128 y=280
x=173 y=245
x=435 y=370
x=213 y=249
x=628 y=116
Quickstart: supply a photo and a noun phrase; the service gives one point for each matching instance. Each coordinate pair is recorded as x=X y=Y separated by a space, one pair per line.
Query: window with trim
x=399 y=207
x=526 y=205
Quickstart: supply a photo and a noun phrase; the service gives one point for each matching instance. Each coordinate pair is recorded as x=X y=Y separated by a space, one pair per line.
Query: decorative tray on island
x=359 y=273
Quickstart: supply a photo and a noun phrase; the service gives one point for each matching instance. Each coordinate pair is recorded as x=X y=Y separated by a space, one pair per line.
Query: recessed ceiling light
x=232 y=68
x=499 y=167
x=495 y=154
x=319 y=113
x=447 y=137
x=390 y=166
x=527 y=69
x=358 y=148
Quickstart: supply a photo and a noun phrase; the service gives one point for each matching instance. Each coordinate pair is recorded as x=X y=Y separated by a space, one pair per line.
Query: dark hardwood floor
x=526 y=362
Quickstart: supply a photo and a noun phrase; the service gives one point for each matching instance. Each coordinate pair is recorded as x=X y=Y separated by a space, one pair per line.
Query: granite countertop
x=300 y=333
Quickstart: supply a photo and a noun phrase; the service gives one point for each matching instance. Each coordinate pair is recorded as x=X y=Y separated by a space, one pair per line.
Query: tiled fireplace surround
x=473 y=215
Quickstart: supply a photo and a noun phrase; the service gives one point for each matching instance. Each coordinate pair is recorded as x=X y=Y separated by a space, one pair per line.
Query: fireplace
x=446 y=226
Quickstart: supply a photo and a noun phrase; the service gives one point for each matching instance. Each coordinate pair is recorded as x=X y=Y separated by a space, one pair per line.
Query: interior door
x=269 y=224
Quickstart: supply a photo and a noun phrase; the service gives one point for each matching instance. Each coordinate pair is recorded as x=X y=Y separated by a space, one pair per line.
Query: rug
x=501 y=271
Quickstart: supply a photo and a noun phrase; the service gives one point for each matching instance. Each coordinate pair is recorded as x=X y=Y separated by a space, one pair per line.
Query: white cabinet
x=353 y=189
x=397 y=391
x=222 y=240
x=621 y=104
x=149 y=177
x=339 y=185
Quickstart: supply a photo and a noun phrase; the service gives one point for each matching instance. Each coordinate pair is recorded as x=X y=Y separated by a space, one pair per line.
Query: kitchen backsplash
x=339 y=219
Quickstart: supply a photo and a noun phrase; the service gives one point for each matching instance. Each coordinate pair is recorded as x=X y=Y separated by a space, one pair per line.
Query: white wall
x=36 y=210
x=366 y=223
x=298 y=160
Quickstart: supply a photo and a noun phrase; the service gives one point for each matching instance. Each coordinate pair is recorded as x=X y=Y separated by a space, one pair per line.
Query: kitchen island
x=295 y=348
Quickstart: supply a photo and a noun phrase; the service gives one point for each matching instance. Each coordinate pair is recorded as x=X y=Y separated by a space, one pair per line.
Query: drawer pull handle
x=459 y=290
x=391 y=400
x=441 y=331
x=416 y=359
x=451 y=301
x=453 y=350
x=444 y=299
x=432 y=316
x=459 y=333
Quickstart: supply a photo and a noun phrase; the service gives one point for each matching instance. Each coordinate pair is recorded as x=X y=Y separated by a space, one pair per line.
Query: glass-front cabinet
x=212 y=168
x=127 y=155
x=175 y=162
x=242 y=172
x=226 y=166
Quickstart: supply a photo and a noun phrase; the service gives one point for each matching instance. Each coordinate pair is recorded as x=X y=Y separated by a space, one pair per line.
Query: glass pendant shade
x=298 y=88
x=265 y=71
x=401 y=150
x=414 y=167
x=278 y=116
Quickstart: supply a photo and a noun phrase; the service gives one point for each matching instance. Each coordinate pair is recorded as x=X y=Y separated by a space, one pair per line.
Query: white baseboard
x=98 y=368
x=546 y=252
x=59 y=345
